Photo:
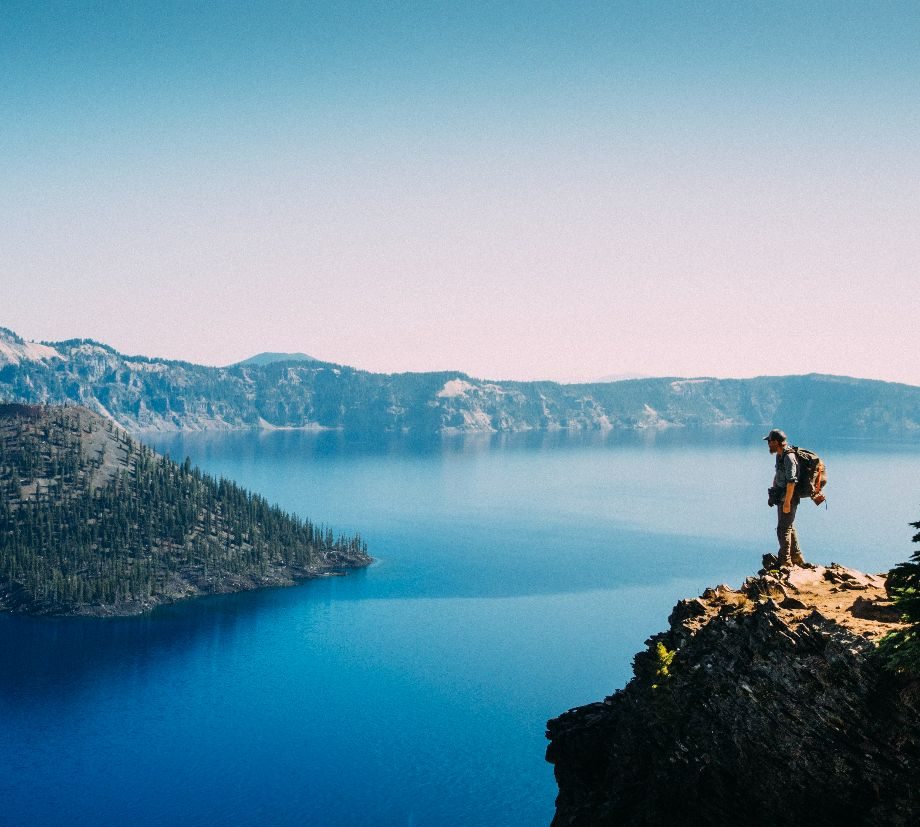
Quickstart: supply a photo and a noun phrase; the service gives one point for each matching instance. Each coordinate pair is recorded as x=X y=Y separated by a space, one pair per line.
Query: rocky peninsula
x=763 y=705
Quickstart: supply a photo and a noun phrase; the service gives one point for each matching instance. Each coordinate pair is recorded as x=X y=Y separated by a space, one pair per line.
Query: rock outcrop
x=765 y=705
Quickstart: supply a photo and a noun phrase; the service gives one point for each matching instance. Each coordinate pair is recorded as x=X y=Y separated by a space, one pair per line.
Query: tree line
x=94 y=518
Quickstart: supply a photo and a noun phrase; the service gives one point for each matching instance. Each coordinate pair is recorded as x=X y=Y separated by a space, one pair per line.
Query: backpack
x=812 y=474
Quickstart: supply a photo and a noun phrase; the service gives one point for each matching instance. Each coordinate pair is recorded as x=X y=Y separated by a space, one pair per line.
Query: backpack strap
x=790 y=449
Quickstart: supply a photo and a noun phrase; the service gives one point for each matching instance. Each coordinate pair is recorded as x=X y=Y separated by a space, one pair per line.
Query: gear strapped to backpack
x=812 y=474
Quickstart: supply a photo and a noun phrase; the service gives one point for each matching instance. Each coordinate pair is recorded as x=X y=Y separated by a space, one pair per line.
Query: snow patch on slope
x=680 y=384
x=454 y=387
x=13 y=353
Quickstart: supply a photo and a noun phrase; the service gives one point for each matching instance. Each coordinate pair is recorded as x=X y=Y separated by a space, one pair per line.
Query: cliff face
x=156 y=394
x=765 y=706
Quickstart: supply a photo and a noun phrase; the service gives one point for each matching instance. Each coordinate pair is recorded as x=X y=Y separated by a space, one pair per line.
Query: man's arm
x=792 y=477
x=787 y=503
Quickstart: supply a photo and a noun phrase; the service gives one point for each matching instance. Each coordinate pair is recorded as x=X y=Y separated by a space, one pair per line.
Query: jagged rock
x=851 y=578
x=766 y=586
x=720 y=594
x=686 y=609
x=777 y=712
x=882 y=610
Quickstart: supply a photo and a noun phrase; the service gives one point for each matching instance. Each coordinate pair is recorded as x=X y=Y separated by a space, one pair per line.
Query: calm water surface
x=516 y=578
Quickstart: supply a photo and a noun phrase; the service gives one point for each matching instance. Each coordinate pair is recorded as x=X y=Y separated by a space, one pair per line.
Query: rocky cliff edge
x=764 y=705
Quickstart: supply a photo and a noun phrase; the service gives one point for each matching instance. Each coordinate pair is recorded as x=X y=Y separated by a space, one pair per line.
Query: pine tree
x=69 y=538
x=901 y=649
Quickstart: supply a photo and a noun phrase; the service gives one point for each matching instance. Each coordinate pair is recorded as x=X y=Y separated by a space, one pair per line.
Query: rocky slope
x=766 y=705
x=93 y=523
x=141 y=393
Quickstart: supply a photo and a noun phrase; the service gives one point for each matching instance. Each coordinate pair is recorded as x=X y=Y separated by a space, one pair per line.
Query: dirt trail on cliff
x=856 y=601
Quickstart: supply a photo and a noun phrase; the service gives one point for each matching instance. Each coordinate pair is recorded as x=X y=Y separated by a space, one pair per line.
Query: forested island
x=292 y=391
x=94 y=523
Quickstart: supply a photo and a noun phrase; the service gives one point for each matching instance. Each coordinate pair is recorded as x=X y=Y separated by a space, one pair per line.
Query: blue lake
x=516 y=577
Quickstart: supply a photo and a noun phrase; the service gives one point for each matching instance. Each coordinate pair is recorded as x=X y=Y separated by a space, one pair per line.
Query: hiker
x=783 y=495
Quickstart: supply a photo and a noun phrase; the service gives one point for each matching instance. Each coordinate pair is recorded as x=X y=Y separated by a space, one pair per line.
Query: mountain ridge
x=268 y=357
x=147 y=393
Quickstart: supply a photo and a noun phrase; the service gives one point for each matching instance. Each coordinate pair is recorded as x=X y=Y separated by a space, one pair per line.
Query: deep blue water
x=516 y=578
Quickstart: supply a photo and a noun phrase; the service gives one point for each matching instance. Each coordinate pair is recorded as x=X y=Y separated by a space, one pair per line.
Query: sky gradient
x=516 y=190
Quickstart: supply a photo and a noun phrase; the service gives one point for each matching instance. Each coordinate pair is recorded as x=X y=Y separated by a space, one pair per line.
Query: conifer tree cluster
x=901 y=649
x=89 y=517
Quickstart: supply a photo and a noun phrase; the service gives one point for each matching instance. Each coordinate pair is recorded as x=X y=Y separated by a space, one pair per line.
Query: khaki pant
x=789 y=551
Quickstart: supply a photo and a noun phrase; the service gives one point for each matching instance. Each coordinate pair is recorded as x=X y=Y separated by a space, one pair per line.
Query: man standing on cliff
x=782 y=495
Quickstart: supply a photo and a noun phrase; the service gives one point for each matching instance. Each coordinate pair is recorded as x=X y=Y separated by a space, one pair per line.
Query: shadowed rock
x=768 y=705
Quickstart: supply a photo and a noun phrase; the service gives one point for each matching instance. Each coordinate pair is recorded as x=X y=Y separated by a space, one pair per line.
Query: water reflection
x=58 y=657
x=325 y=446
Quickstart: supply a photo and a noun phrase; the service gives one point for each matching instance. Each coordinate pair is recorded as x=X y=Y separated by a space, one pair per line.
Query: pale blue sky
x=517 y=190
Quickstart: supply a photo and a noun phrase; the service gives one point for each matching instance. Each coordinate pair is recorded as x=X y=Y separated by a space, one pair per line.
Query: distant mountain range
x=142 y=393
x=619 y=377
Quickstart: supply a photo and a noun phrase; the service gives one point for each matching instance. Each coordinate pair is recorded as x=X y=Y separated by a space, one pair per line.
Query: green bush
x=664 y=658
